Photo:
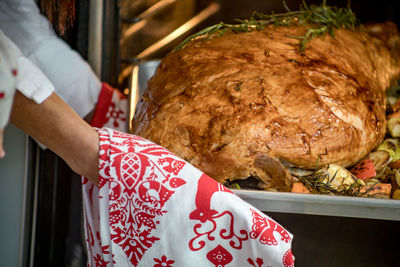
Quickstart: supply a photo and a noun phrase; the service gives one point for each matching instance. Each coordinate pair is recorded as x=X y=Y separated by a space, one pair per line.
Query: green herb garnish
x=318 y=20
x=316 y=185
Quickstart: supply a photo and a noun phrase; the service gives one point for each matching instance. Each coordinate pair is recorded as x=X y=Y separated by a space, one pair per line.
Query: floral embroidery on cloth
x=111 y=109
x=163 y=262
x=152 y=208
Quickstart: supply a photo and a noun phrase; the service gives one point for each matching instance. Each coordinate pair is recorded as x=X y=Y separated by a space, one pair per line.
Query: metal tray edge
x=311 y=204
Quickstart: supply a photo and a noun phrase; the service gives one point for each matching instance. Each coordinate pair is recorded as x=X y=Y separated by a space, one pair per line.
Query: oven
x=124 y=41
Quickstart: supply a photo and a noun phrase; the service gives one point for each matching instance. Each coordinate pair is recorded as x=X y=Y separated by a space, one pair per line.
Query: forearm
x=57 y=126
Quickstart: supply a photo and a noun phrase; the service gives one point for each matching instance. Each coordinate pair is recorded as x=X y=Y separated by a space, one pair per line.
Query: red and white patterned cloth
x=111 y=109
x=151 y=208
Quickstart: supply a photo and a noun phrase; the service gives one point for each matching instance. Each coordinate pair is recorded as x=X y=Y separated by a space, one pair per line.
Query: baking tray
x=356 y=207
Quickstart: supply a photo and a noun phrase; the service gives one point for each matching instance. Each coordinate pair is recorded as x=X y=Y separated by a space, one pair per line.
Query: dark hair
x=61 y=13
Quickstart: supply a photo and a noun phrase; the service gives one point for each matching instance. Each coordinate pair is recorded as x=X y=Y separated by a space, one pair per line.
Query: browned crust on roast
x=224 y=103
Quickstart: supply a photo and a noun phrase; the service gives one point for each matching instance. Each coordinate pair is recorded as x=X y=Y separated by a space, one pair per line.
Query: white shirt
x=28 y=78
x=7 y=80
x=72 y=77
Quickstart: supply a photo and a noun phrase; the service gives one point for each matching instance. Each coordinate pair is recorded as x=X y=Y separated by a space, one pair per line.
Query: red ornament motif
x=163 y=262
x=171 y=165
x=288 y=259
x=265 y=229
x=207 y=187
x=104 y=165
x=144 y=219
x=106 y=173
x=115 y=115
x=155 y=193
x=99 y=261
x=116 y=191
x=91 y=194
x=105 y=249
x=137 y=196
x=176 y=182
x=219 y=256
x=2 y=94
x=89 y=238
x=14 y=72
x=259 y=262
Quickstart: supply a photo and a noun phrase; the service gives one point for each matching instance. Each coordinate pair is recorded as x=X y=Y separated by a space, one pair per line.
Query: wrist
x=84 y=160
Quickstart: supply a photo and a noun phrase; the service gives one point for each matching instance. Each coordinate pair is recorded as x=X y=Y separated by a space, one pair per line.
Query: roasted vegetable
x=372 y=182
x=364 y=170
x=380 y=160
x=396 y=194
x=339 y=178
x=394 y=127
x=395 y=181
x=392 y=146
x=379 y=190
x=395 y=165
x=397 y=178
x=299 y=187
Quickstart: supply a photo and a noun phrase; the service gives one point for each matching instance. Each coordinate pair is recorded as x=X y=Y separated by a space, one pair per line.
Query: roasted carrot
x=299 y=187
x=379 y=189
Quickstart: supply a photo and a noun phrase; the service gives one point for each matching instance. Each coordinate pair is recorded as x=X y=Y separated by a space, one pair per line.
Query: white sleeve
x=30 y=81
x=72 y=77
x=7 y=80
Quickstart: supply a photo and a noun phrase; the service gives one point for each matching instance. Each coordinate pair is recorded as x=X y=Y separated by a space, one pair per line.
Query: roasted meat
x=252 y=104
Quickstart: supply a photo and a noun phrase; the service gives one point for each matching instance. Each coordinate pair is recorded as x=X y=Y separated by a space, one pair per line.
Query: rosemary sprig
x=315 y=184
x=319 y=20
